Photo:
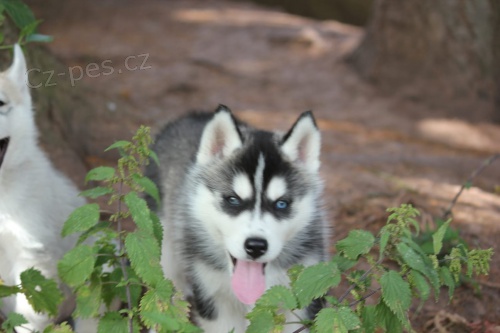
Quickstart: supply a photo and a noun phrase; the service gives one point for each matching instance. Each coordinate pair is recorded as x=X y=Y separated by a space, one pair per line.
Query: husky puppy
x=239 y=206
x=35 y=199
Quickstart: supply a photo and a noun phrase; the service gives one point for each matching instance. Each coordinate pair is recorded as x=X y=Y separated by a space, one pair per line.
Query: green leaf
x=261 y=321
x=144 y=254
x=384 y=240
x=411 y=258
x=387 y=319
x=81 y=219
x=39 y=38
x=139 y=211
x=336 y=320
x=76 y=265
x=437 y=238
x=118 y=144
x=19 y=12
x=154 y=157
x=278 y=296
x=88 y=299
x=149 y=186
x=13 y=320
x=421 y=284
x=162 y=309
x=315 y=281
x=396 y=294
x=294 y=272
x=43 y=294
x=8 y=290
x=157 y=228
x=447 y=278
x=113 y=322
x=343 y=263
x=358 y=242
x=368 y=319
x=96 y=192
x=100 y=173
x=61 y=328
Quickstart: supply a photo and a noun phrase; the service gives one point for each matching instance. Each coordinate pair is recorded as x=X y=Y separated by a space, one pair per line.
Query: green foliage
x=417 y=274
x=111 y=262
x=23 y=18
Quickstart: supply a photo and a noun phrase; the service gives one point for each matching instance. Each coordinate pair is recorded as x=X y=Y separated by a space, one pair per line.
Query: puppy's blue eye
x=281 y=204
x=233 y=201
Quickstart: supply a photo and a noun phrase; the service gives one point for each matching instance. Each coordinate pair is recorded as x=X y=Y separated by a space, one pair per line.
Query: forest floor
x=378 y=151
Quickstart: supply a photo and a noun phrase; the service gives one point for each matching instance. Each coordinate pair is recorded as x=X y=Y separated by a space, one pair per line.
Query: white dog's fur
x=35 y=199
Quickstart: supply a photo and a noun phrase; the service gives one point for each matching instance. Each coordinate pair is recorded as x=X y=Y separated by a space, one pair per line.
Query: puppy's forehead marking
x=258 y=181
x=276 y=188
x=242 y=186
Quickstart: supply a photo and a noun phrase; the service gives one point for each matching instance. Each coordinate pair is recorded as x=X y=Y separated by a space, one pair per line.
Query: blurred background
x=406 y=94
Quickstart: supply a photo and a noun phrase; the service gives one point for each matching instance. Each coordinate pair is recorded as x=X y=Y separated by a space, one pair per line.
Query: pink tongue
x=248 y=281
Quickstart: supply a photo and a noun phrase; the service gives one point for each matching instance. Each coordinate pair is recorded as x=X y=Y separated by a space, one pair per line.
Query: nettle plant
x=111 y=263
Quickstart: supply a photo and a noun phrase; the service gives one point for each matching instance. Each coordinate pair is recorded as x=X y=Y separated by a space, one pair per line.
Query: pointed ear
x=302 y=143
x=17 y=71
x=220 y=137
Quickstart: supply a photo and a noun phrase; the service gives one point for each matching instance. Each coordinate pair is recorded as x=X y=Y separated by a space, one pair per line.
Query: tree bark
x=440 y=52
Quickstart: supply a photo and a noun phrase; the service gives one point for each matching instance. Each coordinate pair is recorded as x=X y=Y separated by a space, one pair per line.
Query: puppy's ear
x=302 y=143
x=17 y=71
x=220 y=137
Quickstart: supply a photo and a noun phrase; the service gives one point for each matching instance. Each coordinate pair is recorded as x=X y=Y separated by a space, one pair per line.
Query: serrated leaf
x=358 y=242
x=396 y=294
x=96 y=192
x=278 y=296
x=43 y=294
x=13 y=320
x=118 y=144
x=139 y=211
x=144 y=254
x=113 y=322
x=149 y=187
x=88 y=299
x=336 y=320
x=421 y=284
x=261 y=321
x=315 y=281
x=437 y=237
x=76 y=265
x=81 y=219
x=100 y=173
x=8 y=290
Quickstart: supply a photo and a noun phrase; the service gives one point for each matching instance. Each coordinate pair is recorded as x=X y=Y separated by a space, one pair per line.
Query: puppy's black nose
x=255 y=247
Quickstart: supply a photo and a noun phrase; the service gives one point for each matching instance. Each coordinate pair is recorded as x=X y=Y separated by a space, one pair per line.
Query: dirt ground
x=168 y=57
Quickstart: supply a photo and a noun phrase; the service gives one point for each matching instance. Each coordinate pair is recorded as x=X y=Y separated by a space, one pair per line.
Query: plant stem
x=123 y=263
x=469 y=180
x=363 y=277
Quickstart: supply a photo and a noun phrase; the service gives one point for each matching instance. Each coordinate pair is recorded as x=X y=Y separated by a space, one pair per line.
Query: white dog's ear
x=17 y=71
x=220 y=137
x=302 y=144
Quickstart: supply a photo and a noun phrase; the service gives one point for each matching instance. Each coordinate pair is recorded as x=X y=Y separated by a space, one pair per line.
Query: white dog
x=35 y=199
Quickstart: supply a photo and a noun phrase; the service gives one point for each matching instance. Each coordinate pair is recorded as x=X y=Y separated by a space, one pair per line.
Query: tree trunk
x=440 y=52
